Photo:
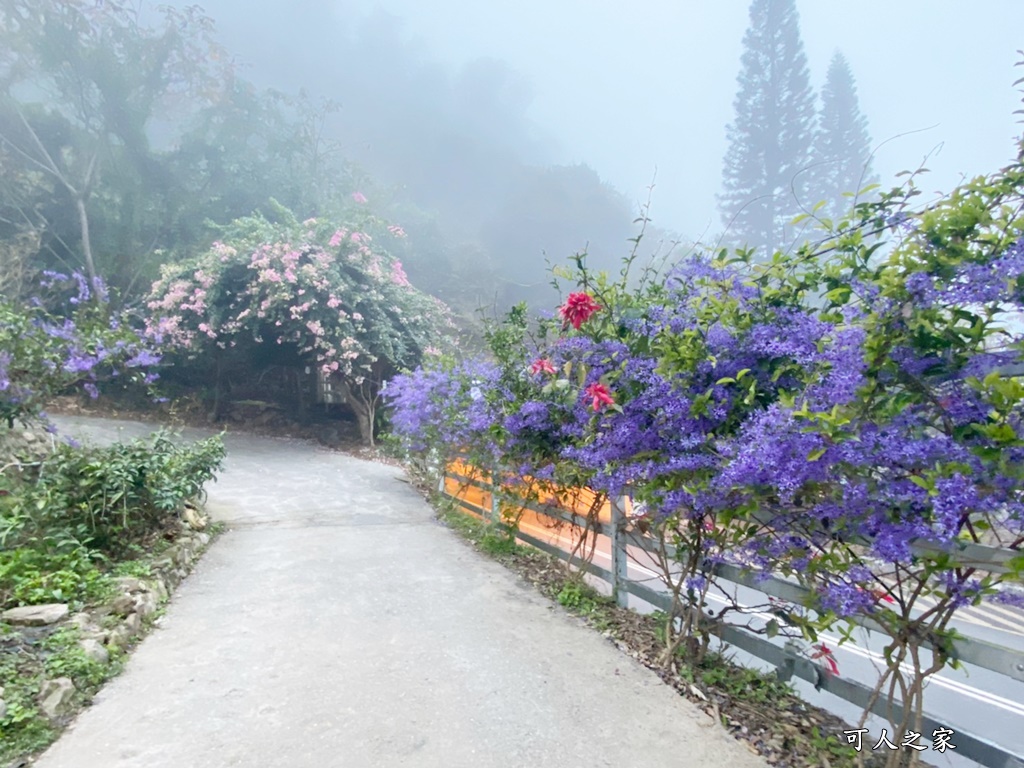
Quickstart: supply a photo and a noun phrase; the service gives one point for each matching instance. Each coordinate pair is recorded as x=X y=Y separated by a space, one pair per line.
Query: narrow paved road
x=338 y=624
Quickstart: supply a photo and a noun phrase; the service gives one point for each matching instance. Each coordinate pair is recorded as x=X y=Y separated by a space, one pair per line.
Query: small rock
x=119 y=636
x=94 y=650
x=203 y=539
x=194 y=519
x=98 y=634
x=3 y=709
x=159 y=590
x=123 y=605
x=82 y=620
x=55 y=697
x=36 y=615
x=87 y=627
x=133 y=624
x=145 y=604
x=130 y=584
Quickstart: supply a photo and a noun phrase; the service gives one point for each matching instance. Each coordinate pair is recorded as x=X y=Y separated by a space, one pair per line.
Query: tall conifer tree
x=842 y=147
x=764 y=176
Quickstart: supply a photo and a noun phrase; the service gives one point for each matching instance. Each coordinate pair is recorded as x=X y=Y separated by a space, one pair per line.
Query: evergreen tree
x=842 y=147
x=771 y=136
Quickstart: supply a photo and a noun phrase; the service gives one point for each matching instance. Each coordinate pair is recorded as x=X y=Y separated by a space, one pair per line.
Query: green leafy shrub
x=30 y=576
x=107 y=496
x=100 y=501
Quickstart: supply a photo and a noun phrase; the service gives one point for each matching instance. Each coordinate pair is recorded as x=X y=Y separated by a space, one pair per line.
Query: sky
x=642 y=91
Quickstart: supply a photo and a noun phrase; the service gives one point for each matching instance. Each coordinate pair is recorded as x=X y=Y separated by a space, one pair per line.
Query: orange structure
x=579 y=501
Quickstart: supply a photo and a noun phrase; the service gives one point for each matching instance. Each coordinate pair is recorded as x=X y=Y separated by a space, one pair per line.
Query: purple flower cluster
x=988 y=282
x=442 y=407
x=43 y=353
x=836 y=432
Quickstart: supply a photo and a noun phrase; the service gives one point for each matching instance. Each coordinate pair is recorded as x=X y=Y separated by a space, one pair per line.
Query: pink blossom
x=359 y=197
x=398 y=276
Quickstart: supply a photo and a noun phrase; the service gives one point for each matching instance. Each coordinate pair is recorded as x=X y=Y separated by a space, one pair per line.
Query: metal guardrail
x=980 y=653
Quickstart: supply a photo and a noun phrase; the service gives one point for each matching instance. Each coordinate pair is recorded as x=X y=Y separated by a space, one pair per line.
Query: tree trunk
x=363 y=406
x=217 y=379
x=365 y=421
x=90 y=265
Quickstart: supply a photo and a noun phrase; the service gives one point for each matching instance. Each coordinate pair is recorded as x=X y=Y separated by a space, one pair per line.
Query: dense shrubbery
x=80 y=343
x=838 y=415
x=86 y=506
x=329 y=295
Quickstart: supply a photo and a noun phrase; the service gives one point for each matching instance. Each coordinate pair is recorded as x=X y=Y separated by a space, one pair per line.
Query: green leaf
x=922 y=482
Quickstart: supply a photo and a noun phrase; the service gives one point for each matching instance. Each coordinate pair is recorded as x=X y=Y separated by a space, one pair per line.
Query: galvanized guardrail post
x=495 y=501
x=620 y=557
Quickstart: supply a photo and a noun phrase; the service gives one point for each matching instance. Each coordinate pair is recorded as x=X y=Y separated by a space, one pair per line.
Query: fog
x=502 y=136
x=644 y=91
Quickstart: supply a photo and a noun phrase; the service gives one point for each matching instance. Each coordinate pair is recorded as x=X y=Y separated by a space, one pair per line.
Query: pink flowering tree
x=329 y=295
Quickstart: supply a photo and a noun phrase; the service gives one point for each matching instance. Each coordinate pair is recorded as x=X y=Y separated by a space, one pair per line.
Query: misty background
x=525 y=129
x=502 y=136
x=630 y=89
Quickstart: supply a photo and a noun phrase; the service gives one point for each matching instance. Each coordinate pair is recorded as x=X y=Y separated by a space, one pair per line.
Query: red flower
x=542 y=365
x=600 y=395
x=578 y=308
x=824 y=652
x=879 y=594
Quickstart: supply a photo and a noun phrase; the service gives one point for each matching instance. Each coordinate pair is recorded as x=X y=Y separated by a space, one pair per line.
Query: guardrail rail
x=789 y=664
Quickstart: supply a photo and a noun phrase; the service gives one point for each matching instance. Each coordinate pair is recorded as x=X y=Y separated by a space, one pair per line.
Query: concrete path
x=338 y=624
